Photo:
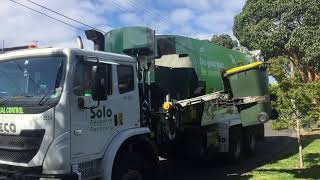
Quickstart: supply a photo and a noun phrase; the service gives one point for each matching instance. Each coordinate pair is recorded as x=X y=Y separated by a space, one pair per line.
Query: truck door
x=127 y=97
x=91 y=128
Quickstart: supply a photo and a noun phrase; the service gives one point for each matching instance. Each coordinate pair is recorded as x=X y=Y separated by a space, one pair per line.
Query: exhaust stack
x=97 y=38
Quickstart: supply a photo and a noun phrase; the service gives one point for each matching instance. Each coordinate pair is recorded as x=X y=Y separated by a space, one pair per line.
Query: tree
x=289 y=88
x=288 y=34
x=287 y=28
x=296 y=103
x=224 y=40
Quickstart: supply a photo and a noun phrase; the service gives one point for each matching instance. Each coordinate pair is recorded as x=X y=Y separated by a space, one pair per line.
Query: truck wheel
x=235 y=145
x=134 y=161
x=250 y=144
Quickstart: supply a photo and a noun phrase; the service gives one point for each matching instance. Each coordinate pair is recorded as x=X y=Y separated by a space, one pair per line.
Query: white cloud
x=199 y=4
x=21 y=26
x=202 y=36
x=151 y=19
x=122 y=5
x=130 y=19
x=181 y=16
x=215 y=22
x=162 y=26
x=200 y=18
x=233 y=5
x=206 y=5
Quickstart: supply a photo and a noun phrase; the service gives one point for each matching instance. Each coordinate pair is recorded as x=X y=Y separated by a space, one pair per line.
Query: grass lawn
x=286 y=167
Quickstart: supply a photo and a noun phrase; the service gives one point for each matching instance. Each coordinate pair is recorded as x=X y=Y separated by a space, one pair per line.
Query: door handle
x=78 y=132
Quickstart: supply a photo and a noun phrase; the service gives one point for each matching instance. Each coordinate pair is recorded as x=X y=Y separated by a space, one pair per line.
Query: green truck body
x=204 y=74
x=208 y=62
x=207 y=58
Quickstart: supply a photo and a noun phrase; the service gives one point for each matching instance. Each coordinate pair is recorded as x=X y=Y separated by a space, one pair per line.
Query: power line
x=65 y=16
x=46 y=15
x=155 y=25
x=142 y=20
x=138 y=5
x=162 y=19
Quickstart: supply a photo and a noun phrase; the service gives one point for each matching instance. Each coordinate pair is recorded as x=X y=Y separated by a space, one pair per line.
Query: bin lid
x=242 y=68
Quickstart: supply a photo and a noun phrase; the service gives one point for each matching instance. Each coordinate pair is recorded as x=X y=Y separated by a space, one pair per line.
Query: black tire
x=235 y=145
x=250 y=143
x=259 y=130
x=135 y=161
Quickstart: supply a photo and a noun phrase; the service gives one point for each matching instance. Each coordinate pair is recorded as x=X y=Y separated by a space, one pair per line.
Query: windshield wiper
x=10 y=99
x=44 y=99
x=5 y=100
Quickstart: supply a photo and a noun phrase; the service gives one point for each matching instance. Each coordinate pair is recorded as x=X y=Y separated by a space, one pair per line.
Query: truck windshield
x=34 y=81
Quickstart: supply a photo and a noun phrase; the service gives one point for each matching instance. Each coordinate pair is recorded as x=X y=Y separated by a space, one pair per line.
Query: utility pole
x=35 y=42
x=2 y=46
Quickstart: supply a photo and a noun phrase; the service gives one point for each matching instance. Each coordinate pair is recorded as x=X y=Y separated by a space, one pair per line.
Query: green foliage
x=305 y=96
x=224 y=40
x=283 y=28
x=288 y=34
x=283 y=165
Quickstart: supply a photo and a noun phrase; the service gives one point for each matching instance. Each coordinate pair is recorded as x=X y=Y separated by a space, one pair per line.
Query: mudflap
x=223 y=137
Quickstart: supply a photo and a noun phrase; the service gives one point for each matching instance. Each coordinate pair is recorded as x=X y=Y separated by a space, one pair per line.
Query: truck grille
x=21 y=148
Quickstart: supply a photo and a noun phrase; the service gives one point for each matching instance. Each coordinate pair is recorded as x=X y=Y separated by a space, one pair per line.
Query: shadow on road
x=272 y=149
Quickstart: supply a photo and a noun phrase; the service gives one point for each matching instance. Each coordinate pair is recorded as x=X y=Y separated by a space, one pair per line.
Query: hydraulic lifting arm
x=218 y=98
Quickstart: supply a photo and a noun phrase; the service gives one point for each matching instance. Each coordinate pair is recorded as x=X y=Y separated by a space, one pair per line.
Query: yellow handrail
x=243 y=68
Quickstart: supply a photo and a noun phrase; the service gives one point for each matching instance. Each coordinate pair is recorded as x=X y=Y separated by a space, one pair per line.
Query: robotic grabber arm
x=249 y=94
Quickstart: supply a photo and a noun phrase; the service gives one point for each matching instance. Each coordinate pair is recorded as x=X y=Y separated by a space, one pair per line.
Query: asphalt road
x=270 y=149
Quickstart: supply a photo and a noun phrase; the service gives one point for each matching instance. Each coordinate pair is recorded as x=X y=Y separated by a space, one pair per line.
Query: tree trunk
x=310 y=75
x=296 y=64
x=301 y=165
x=317 y=76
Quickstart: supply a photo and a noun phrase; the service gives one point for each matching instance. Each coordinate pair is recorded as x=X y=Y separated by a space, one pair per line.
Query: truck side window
x=82 y=85
x=125 y=78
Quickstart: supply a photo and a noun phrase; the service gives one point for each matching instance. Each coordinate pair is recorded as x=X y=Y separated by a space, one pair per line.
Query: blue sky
x=195 y=18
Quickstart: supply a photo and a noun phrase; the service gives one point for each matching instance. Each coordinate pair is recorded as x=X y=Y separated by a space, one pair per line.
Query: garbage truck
x=70 y=113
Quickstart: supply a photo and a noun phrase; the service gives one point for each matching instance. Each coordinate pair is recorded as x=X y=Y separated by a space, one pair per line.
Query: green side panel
x=181 y=83
x=131 y=38
x=208 y=59
x=133 y=41
x=253 y=82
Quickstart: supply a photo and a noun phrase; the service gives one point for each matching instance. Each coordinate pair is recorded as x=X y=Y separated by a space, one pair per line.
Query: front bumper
x=34 y=173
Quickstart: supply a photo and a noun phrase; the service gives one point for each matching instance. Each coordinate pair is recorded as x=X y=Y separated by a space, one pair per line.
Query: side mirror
x=99 y=83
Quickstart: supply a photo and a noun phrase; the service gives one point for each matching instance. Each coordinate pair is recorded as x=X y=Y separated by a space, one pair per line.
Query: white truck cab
x=70 y=114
